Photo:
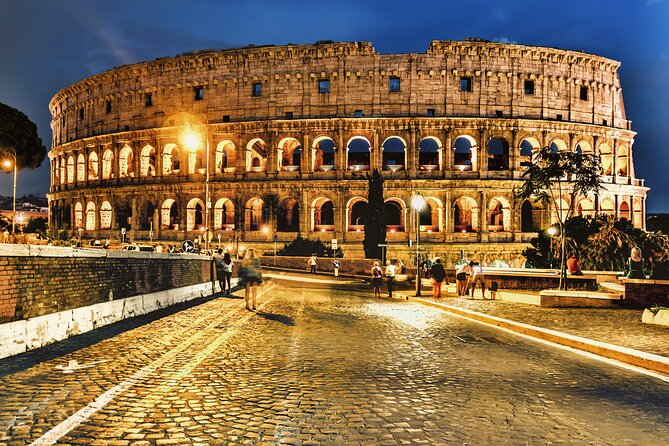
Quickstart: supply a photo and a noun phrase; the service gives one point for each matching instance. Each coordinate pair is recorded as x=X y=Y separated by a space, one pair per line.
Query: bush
x=305 y=247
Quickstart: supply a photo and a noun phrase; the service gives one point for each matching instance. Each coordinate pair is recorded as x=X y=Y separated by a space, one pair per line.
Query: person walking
x=227 y=273
x=477 y=277
x=461 y=279
x=438 y=276
x=377 y=278
x=312 y=264
x=336 y=265
x=635 y=265
x=391 y=269
x=252 y=277
x=218 y=264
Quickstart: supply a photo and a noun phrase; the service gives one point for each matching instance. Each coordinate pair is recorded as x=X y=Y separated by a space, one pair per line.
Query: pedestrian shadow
x=285 y=320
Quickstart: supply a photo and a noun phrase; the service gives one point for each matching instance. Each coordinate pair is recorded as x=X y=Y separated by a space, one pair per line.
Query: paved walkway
x=619 y=327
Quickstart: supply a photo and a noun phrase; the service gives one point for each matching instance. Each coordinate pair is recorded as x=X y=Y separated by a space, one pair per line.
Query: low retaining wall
x=348 y=266
x=647 y=292
x=40 y=280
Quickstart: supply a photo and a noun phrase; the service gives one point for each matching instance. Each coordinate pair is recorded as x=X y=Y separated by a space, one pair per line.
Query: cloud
x=503 y=40
x=652 y=2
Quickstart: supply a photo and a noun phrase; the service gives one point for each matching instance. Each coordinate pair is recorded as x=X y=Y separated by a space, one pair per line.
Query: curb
x=626 y=355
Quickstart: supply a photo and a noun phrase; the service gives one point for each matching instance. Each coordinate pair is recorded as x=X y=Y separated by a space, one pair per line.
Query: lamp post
x=192 y=142
x=417 y=203
x=552 y=230
x=7 y=164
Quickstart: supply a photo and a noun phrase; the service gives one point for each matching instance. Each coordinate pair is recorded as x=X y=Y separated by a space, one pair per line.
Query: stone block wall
x=40 y=280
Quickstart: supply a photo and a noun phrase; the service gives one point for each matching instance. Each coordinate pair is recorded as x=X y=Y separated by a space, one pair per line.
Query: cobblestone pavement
x=325 y=367
x=621 y=327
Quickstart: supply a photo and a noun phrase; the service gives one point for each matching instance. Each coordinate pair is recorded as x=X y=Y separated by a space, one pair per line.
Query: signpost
x=334 y=245
x=383 y=252
x=187 y=246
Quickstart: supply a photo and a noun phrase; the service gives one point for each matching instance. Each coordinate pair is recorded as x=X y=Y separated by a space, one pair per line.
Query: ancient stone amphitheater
x=281 y=138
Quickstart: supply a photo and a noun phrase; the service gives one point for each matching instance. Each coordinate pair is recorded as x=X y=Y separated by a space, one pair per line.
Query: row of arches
x=321 y=215
x=255 y=156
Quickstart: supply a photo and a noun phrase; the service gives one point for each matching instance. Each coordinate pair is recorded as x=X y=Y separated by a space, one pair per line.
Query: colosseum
x=280 y=140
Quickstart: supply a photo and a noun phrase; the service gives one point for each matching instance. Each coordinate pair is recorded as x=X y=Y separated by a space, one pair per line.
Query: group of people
x=250 y=274
x=467 y=276
x=377 y=277
x=658 y=265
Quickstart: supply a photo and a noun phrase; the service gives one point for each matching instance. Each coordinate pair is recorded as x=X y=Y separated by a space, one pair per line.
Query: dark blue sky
x=47 y=45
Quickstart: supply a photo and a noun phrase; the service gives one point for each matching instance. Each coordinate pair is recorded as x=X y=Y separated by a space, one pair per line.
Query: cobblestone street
x=322 y=367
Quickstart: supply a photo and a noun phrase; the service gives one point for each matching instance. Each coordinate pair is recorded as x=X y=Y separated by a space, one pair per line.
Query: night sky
x=47 y=45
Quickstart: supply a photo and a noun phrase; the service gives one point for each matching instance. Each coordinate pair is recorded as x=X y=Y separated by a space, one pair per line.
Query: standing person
x=312 y=264
x=390 y=277
x=227 y=273
x=438 y=276
x=574 y=265
x=377 y=278
x=477 y=277
x=218 y=263
x=336 y=265
x=461 y=278
x=635 y=265
x=252 y=276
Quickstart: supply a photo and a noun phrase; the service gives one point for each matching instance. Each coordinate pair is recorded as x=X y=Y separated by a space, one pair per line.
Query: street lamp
x=7 y=164
x=552 y=230
x=192 y=142
x=417 y=203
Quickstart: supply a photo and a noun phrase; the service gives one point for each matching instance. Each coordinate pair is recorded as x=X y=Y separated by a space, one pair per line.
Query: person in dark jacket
x=438 y=276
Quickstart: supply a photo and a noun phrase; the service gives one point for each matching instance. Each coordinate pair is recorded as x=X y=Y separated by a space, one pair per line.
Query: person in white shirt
x=390 y=276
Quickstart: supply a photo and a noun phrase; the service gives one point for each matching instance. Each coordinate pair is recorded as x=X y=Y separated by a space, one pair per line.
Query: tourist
x=336 y=265
x=218 y=264
x=461 y=278
x=660 y=264
x=574 y=265
x=226 y=286
x=391 y=269
x=377 y=278
x=251 y=275
x=312 y=263
x=635 y=265
x=477 y=277
x=438 y=276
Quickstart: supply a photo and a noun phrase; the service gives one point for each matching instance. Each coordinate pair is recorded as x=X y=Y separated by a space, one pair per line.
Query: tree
x=375 y=226
x=305 y=247
x=20 y=133
x=36 y=224
x=552 y=174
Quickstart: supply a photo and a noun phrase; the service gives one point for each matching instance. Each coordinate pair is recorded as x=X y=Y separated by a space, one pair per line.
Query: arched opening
x=289 y=216
x=78 y=215
x=107 y=160
x=224 y=215
x=638 y=214
x=323 y=154
x=322 y=215
x=146 y=211
x=624 y=211
x=90 y=216
x=527 y=147
x=171 y=160
x=106 y=215
x=92 y=166
x=585 y=208
x=430 y=217
x=147 y=162
x=557 y=145
x=428 y=154
x=62 y=169
x=289 y=154
x=394 y=154
x=394 y=212
x=606 y=157
x=606 y=207
x=125 y=162
x=226 y=157
x=81 y=168
x=583 y=147
x=530 y=220
x=561 y=212
x=498 y=154
x=358 y=153
x=357 y=216
x=70 y=169
x=256 y=215
x=123 y=216
x=499 y=215
x=194 y=215
x=464 y=154
x=197 y=161
x=622 y=161
x=169 y=214
x=465 y=215
x=256 y=155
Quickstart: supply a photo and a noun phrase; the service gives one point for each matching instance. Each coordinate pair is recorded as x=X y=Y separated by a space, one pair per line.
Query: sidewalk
x=613 y=333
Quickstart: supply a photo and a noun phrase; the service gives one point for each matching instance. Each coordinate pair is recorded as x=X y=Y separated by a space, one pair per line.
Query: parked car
x=136 y=247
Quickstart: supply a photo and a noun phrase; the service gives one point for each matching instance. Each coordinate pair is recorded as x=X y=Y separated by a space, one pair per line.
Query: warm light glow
x=552 y=230
x=191 y=141
x=201 y=228
x=265 y=229
x=7 y=163
x=228 y=248
x=322 y=229
x=464 y=231
x=392 y=231
x=357 y=230
x=417 y=202
x=429 y=231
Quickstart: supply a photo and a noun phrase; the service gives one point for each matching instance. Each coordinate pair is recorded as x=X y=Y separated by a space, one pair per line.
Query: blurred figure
x=390 y=277
x=438 y=276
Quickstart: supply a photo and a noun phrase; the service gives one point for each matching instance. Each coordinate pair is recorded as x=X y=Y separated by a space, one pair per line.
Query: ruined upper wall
x=145 y=95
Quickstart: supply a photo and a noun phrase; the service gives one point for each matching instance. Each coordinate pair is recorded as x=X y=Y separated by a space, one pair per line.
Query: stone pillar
x=514 y=152
x=272 y=154
x=305 y=155
x=483 y=216
x=134 y=220
x=447 y=154
x=483 y=150
x=412 y=152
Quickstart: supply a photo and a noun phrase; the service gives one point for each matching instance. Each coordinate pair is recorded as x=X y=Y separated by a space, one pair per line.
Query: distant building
x=293 y=130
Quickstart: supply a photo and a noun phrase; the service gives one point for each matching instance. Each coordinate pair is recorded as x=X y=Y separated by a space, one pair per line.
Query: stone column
x=483 y=216
x=305 y=155
x=483 y=151
x=447 y=154
x=514 y=152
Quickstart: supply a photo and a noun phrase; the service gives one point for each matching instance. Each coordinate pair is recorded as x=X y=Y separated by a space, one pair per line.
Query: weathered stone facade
x=293 y=130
